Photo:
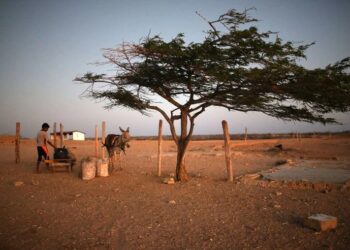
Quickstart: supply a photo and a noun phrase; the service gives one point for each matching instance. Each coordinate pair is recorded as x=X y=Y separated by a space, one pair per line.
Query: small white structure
x=70 y=135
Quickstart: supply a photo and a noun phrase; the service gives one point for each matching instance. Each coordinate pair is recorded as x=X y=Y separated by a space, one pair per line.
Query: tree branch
x=170 y=122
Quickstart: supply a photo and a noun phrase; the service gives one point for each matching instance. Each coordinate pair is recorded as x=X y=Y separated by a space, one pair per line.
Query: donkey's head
x=125 y=137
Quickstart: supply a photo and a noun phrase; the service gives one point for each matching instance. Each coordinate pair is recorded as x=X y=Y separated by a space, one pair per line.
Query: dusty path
x=131 y=209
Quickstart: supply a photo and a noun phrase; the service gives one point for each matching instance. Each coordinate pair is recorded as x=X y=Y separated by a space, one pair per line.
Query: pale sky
x=45 y=44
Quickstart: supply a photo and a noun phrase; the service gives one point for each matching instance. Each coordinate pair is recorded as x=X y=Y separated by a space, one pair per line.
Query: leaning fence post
x=54 y=134
x=96 y=140
x=160 y=139
x=17 y=142
x=61 y=135
x=103 y=137
x=227 y=151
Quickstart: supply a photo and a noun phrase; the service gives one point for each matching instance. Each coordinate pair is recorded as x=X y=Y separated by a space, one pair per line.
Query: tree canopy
x=236 y=67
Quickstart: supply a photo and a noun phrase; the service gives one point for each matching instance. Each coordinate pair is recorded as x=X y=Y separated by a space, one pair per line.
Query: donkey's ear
x=122 y=130
x=127 y=130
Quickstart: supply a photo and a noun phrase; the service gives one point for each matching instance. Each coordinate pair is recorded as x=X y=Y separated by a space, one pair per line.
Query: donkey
x=115 y=144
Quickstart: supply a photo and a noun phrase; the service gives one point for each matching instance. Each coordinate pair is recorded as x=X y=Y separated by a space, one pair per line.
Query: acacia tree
x=235 y=66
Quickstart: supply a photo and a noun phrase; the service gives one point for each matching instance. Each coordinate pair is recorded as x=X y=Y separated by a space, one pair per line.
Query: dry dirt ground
x=133 y=209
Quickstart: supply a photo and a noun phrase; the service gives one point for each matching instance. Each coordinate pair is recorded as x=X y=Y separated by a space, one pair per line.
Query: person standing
x=42 y=139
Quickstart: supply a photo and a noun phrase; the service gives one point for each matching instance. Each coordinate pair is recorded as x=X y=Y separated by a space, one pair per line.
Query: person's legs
x=39 y=159
x=41 y=154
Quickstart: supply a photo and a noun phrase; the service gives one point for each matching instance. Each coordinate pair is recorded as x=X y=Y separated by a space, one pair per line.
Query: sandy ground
x=132 y=209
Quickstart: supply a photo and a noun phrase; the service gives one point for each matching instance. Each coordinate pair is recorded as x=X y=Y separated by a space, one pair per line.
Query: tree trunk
x=181 y=174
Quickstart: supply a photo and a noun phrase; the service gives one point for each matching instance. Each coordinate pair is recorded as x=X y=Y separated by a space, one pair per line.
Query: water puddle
x=333 y=172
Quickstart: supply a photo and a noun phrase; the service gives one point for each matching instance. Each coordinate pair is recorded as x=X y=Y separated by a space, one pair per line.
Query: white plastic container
x=102 y=167
x=88 y=168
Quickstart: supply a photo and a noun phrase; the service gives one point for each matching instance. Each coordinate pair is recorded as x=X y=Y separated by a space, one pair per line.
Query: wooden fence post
x=227 y=151
x=103 y=137
x=96 y=140
x=160 y=139
x=61 y=135
x=54 y=134
x=17 y=142
x=245 y=134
